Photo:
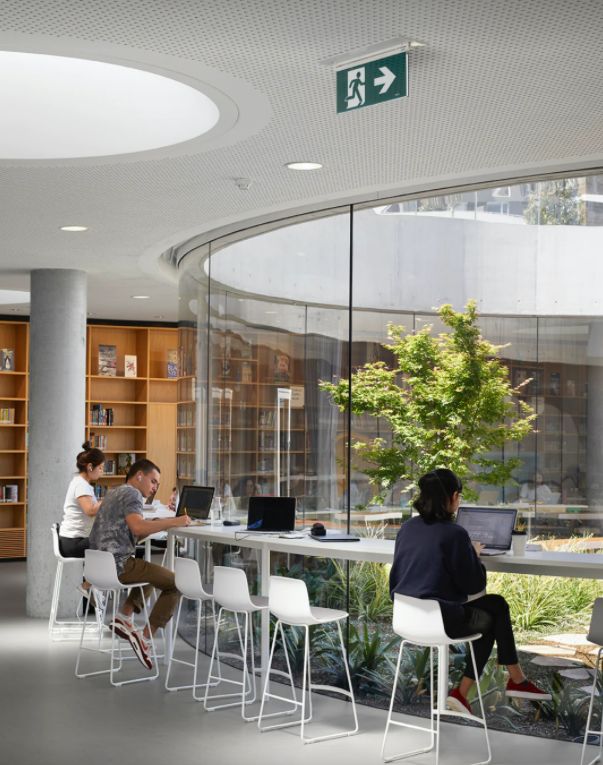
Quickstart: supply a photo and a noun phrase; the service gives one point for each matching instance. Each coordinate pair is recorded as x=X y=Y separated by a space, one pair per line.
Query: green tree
x=448 y=401
x=555 y=203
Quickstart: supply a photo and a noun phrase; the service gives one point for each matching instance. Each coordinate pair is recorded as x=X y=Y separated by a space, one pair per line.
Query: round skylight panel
x=54 y=107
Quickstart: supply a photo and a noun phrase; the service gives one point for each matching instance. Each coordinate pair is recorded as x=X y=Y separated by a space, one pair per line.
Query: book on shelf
x=98 y=442
x=7 y=359
x=125 y=460
x=130 y=366
x=7 y=415
x=107 y=360
x=266 y=418
x=100 y=416
x=246 y=372
x=172 y=363
x=109 y=467
x=9 y=492
x=100 y=490
x=282 y=364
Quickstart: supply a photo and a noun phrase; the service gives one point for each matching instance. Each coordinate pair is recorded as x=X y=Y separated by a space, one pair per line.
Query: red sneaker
x=456 y=702
x=526 y=690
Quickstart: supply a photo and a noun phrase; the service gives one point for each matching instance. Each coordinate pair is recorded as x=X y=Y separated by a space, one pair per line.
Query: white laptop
x=492 y=526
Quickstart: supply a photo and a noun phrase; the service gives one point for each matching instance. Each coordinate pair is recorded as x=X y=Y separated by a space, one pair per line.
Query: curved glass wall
x=266 y=317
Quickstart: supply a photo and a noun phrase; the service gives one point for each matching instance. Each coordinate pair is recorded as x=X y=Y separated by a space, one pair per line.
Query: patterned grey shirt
x=110 y=531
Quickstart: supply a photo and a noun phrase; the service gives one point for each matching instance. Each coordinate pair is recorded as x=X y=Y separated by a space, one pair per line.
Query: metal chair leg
x=588 y=730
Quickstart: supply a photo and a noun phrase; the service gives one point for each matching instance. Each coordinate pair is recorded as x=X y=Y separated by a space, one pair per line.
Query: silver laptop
x=492 y=526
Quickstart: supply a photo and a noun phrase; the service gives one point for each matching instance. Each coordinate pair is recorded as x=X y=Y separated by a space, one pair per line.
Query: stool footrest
x=331 y=688
x=461 y=715
x=282 y=698
x=410 y=725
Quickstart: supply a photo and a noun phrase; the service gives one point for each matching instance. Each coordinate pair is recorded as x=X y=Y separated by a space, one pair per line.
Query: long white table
x=578 y=565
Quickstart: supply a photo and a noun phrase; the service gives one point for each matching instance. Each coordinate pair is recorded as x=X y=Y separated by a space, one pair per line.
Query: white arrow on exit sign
x=386 y=79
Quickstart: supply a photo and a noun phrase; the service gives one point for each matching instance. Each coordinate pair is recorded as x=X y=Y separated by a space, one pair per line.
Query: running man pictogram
x=356 y=86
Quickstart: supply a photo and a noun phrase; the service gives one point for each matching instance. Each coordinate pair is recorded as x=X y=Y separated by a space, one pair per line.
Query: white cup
x=518 y=544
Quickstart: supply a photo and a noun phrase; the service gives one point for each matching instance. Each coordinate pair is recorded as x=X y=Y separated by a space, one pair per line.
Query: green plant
x=539 y=604
x=368 y=591
x=568 y=707
x=556 y=203
x=447 y=400
x=413 y=681
x=368 y=654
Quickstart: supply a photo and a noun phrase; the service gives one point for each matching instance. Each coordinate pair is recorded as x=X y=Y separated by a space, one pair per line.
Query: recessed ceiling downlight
x=8 y=297
x=304 y=165
x=55 y=107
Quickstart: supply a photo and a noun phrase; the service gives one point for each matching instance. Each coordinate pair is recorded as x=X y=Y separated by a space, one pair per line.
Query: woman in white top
x=80 y=503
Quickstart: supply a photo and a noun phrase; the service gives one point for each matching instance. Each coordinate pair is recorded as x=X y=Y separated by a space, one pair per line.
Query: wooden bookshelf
x=249 y=374
x=14 y=392
x=143 y=408
x=144 y=412
x=186 y=455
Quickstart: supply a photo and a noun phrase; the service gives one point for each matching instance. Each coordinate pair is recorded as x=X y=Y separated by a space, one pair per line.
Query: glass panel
x=272 y=323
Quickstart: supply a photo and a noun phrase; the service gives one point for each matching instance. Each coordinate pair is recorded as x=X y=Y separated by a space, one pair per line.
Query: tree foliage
x=555 y=203
x=448 y=401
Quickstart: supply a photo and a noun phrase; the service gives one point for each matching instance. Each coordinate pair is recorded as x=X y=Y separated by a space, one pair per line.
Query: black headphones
x=318 y=530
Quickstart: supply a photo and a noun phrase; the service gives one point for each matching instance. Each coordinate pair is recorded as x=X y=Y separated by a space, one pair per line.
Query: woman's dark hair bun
x=436 y=490
x=89 y=456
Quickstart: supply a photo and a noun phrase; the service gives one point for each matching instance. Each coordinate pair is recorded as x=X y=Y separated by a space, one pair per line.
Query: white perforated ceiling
x=501 y=89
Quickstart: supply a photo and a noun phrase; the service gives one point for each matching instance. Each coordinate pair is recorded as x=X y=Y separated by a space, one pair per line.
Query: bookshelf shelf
x=93 y=426
x=117 y=377
x=115 y=403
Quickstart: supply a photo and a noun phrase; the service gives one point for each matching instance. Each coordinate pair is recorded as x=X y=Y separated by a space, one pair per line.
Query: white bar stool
x=231 y=593
x=190 y=586
x=595 y=635
x=289 y=602
x=419 y=622
x=64 y=629
x=100 y=571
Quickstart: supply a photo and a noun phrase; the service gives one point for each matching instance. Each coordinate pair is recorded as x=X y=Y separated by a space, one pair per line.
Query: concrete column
x=57 y=400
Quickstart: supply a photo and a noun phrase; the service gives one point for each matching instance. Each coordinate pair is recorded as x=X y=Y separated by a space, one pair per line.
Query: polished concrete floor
x=48 y=716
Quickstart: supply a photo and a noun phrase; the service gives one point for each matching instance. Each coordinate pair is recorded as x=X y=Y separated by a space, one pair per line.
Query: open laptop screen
x=271 y=514
x=195 y=501
x=492 y=526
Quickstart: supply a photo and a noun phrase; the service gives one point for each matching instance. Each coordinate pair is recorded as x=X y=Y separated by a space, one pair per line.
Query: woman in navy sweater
x=434 y=558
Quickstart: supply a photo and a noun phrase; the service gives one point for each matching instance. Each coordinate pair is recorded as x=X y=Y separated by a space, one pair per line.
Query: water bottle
x=216 y=511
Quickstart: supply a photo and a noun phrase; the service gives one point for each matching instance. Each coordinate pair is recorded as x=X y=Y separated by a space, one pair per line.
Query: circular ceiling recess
x=55 y=107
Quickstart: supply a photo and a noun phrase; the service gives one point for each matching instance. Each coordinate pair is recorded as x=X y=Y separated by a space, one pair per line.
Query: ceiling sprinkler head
x=243 y=183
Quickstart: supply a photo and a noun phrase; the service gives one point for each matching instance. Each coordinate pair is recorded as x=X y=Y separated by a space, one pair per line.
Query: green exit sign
x=372 y=82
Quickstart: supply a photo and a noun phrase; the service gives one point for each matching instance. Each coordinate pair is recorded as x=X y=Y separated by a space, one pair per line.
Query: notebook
x=492 y=526
x=335 y=536
x=271 y=514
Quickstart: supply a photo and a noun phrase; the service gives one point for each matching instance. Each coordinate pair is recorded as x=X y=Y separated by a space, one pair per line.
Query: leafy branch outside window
x=448 y=401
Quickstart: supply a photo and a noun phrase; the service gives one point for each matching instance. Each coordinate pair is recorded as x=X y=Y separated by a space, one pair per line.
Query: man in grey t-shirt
x=117 y=526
